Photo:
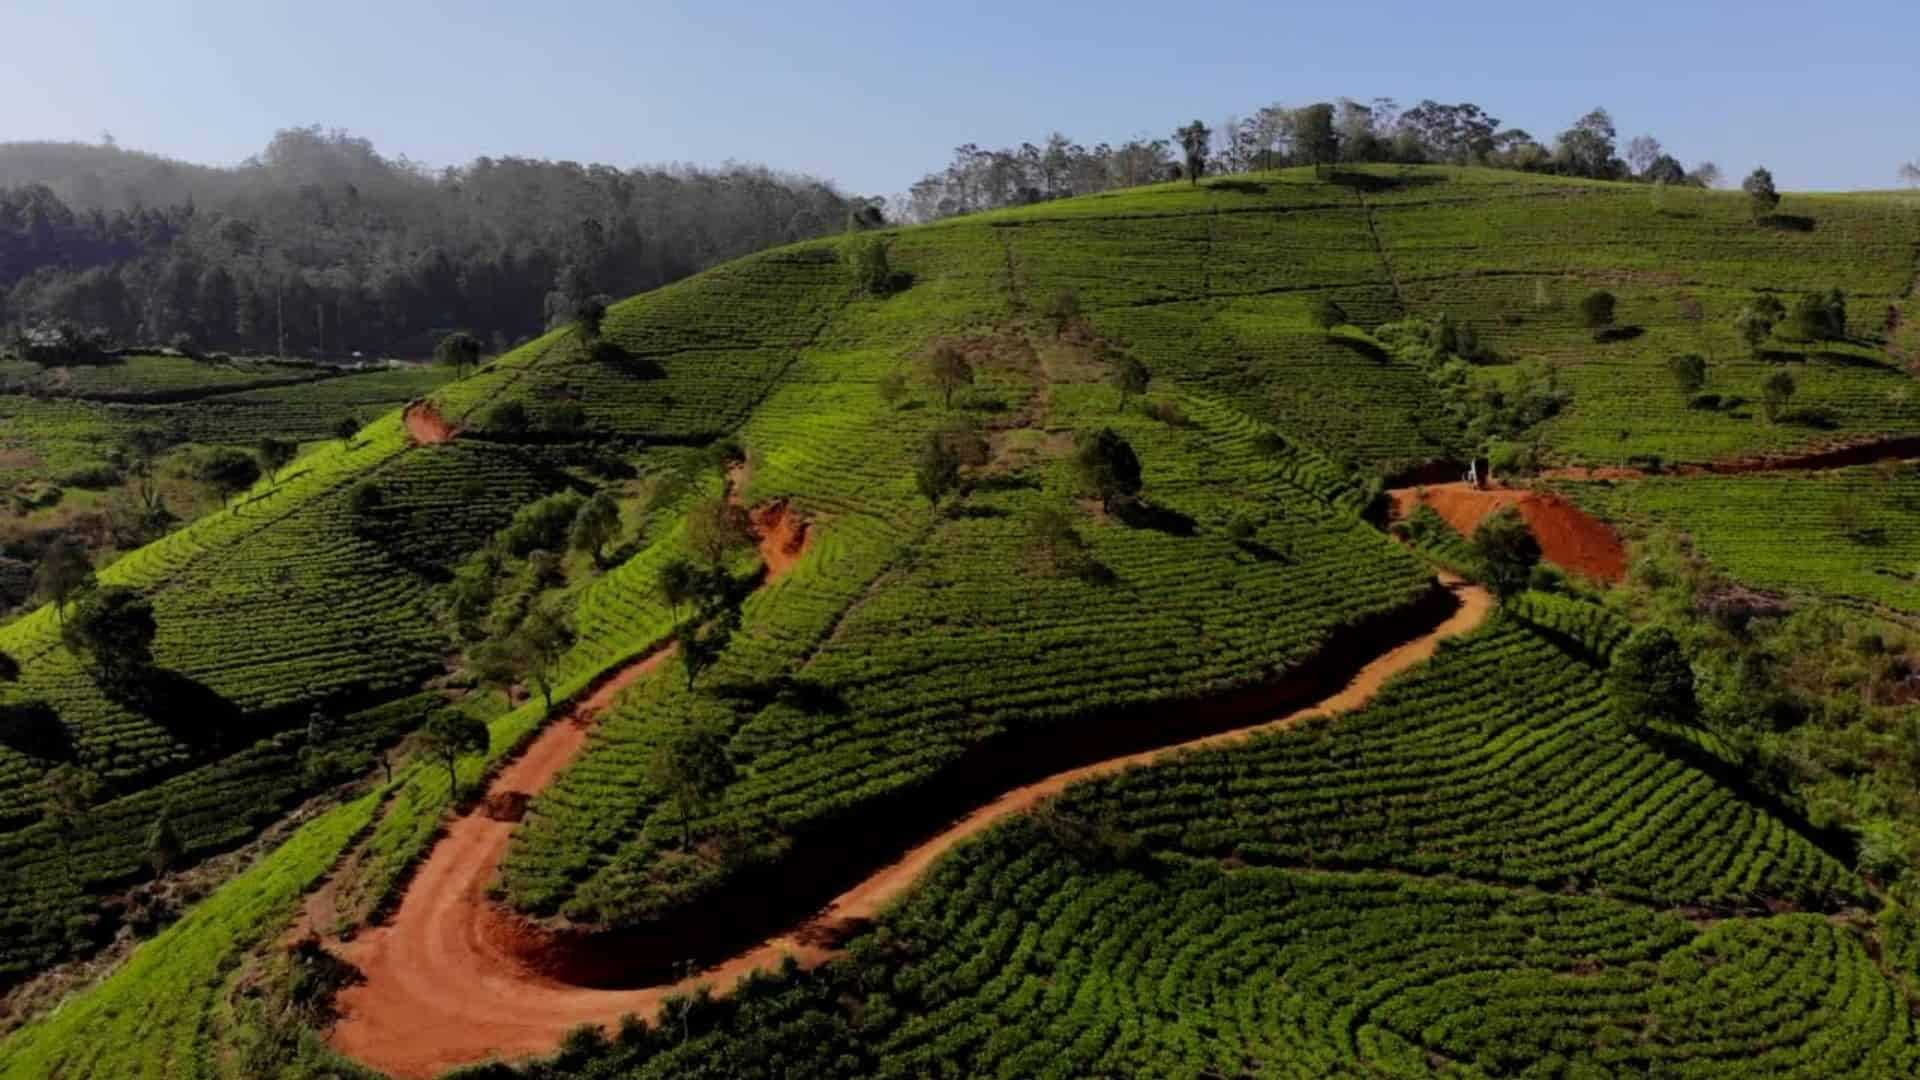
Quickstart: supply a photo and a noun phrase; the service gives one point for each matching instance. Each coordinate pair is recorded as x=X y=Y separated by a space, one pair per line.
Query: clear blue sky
x=873 y=95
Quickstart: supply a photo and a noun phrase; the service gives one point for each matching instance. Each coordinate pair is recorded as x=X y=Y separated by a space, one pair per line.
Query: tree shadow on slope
x=1373 y=184
x=189 y=710
x=1140 y=514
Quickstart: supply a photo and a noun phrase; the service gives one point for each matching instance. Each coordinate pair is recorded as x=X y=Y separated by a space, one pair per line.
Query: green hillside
x=1482 y=873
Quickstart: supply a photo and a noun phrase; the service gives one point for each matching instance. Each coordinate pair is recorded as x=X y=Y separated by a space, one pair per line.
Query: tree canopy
x=1650 y=680
x=1508 y=550
x=1107 y=464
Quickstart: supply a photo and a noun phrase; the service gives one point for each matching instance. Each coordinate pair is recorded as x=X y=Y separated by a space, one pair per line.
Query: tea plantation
x=1481 y=873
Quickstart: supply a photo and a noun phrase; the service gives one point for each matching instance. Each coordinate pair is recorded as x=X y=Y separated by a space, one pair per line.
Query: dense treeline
x=321 y=246
x=1279 y=136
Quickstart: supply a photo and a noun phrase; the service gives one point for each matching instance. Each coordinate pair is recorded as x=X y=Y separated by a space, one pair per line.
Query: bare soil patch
x=1569 y=537
x=426 y=425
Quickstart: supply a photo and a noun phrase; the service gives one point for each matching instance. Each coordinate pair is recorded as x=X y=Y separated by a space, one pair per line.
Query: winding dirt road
x=446 y=986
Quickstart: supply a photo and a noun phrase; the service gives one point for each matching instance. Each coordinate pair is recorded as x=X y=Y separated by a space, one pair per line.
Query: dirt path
x=447 y=980
x=1569 y=537
x=1841 y=455
x=426 y=425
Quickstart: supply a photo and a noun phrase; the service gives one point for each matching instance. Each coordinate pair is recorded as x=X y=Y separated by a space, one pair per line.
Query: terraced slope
x=1159 y=922
x=915 y=655
x=55 y=421
x=1851 y=533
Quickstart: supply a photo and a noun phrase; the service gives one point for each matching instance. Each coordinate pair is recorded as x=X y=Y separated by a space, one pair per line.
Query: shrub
x=509 y=417
x=1508 y=550
x=1689 y=370
x=1167 y=411
x=1327 y=313
x=1597 y=309
x=96 y=476
x=542 y=524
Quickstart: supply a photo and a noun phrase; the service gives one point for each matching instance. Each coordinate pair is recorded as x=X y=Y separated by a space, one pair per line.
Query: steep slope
x=917 y=656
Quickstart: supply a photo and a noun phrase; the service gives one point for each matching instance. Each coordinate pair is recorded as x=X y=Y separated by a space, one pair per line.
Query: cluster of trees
x=1277 y=136
x=321 y=246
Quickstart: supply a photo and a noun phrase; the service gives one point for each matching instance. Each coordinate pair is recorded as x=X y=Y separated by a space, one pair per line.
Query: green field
x=1482 y=873
x=1849 y=534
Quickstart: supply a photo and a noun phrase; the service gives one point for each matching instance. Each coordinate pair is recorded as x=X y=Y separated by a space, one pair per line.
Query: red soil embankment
x=426 y=425
x=1569 y=537
x=779 y=531
x=450 y=982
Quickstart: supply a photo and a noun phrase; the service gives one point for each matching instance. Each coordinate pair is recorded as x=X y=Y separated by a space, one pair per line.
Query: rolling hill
x=1477 y=873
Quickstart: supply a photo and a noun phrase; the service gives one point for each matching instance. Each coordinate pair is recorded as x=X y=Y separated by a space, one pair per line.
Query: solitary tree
x=114 y=627
x=1820 y=316
x=458 y=350
x=1910 y=173
x=509 y=418
x=1193 y=140
x=1705 y=175
x=542 y=638
x=142 y=448
x=867 y=263
x=451 y=735
x=1052 y=540
x=597 y=523
x=163 y=847
x=937 y=470
x=1509 y=551
x=530 y=652
x=892 y=388
x=589 y=314
x=67 y=791
x=1327 y=313
x=676 y=583
x=1755 y=320
x=1689 y=371
x=950 y=369
x=275 y=454
x=229 y=472
x=1130 y=377
x=707 y=632
x=1651 y=680
x=691 y=769
x=62 y=573
x=1063 y=309
x=1776 y=392
x=1597 y=308
x=1642 y=152
x=346 y=428
x=1761 y=195
x=716 y=528
x=1316 y=137
x=1107 y=464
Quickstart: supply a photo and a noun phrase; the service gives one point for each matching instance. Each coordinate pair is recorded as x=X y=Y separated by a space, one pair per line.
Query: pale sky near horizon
x=873 y=95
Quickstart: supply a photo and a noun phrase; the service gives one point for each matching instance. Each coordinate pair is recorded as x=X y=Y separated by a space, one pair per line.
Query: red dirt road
x=426 y=425
x=446 y=988
x=1569 y=537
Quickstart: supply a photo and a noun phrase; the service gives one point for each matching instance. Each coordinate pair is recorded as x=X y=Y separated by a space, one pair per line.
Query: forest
x=321 y=247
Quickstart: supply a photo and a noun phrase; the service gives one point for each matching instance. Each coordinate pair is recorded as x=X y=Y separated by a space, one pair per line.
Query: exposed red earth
x=1569 y=537
x=426 y=425
x=454 y=979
